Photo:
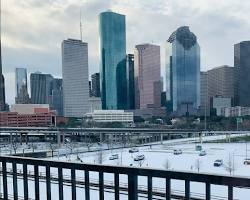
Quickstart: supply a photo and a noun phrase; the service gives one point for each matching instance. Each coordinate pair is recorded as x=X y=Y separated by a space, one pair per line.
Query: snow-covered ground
x=156 y=156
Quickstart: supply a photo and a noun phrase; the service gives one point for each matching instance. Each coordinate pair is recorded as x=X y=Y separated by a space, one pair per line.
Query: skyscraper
x=242 y=67
x=184 y=68
x=112 y=30
x=147 y=76
x=95 y=85
x=130 y=82
x=2 y=87
x=40 y=85
x=22 y=96
x=57 y=96
x=75 y=78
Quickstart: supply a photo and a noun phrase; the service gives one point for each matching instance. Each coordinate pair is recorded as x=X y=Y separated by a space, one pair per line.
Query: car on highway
x=177 y=151
x=247 y=161
x=218 y=163
x=139 y=157
x=114 y=157
x=133 y=150
x=202 y=153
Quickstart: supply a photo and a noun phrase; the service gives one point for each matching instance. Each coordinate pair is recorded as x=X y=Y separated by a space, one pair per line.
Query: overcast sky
x=32 y=30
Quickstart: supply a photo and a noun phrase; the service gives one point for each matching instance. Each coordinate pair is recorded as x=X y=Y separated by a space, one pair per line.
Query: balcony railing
x=29 y=169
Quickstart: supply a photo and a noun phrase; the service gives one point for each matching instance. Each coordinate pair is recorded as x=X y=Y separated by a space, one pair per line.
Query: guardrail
x=132 y=174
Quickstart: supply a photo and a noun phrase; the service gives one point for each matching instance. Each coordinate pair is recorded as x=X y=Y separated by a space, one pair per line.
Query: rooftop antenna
x=81 y=24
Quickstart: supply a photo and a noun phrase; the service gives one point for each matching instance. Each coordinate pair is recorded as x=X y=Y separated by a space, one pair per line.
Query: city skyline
x=46 y=55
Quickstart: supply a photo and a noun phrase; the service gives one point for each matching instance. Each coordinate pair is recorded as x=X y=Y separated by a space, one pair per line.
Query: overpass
x=23 y=134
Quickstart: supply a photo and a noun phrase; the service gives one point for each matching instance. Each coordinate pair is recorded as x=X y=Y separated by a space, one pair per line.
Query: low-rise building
x=218 y=103
x=110 y=116
x=26 y=115
x=237 y=111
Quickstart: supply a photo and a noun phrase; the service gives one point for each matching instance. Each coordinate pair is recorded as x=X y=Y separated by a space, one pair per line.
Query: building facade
x=112 y=30
x=2 y=87
x=22 y=96
x=95 y=85
x=236 y=111
x=130 y=81
x=205 y=102
x=242 y=68
x=184 y=71
x=57 y=96
x=218 y=103
x=108 y=116
x=27 y=115
x=147 y=72
x=75 y=78
x=40 y=85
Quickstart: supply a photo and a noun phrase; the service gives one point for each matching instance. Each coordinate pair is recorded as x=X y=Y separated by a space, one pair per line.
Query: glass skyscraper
x=112 y=30
x=183 y=72
x=22 y=96
x=242 y=71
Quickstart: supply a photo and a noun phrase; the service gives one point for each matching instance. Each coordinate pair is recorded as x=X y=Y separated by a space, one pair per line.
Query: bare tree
x=198 y=164
x=52 y=148
x=229 y=164
x=167 y=164
x=14 y=146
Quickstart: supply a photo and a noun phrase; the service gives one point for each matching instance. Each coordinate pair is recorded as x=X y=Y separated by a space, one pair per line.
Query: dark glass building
x=183 y=72
x=41 y=88
x=95 y=85
x=242 y=69
x=130 y=82
x=2 y=87
x=22 y=96
x=57 y=96
x=112 y=30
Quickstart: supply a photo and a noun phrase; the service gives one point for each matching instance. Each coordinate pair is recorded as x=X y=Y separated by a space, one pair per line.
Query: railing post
x=149 y=187
x=168 y=189
x=5 y=186
x=117 y=195
x=48 y=186
x=208 y=191
x=230 y=192
x=86 y=176
x=15 y=192
x=25 y=182
x=101 y=186
x=132 y=187
x=73 y=184
x=60 y=183
x=187 y=190
x=37 y=192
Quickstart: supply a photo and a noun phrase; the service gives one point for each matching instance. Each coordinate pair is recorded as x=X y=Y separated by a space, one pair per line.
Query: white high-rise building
x=75 y=78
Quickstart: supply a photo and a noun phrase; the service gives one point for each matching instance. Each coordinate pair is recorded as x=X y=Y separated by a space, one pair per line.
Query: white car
x=114 y=157
x=139 y=157
x=203 y=153
x=133 y=150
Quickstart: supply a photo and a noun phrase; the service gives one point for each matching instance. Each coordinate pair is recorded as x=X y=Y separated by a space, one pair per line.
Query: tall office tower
x=22 y=96
x=205 y=103
x=112 y=29
x=95 y=85
x=130 y=81
x=184 y=67
x=147 y=76
x=90 y=89
x=2 y=87
x=57 y=96
x=75 y=78
x=242 y=67
x=40 y=85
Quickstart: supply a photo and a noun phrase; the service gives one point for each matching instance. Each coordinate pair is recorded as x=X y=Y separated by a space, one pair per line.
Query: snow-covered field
x=156 y=156
x=160 y=156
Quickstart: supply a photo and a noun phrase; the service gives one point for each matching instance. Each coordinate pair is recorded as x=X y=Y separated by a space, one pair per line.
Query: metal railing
x=133 y=188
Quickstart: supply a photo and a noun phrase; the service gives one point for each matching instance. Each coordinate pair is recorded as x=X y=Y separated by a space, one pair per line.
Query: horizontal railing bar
x=157 y=173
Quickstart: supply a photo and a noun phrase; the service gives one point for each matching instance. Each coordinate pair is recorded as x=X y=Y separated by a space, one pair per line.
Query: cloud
x=32 y=30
